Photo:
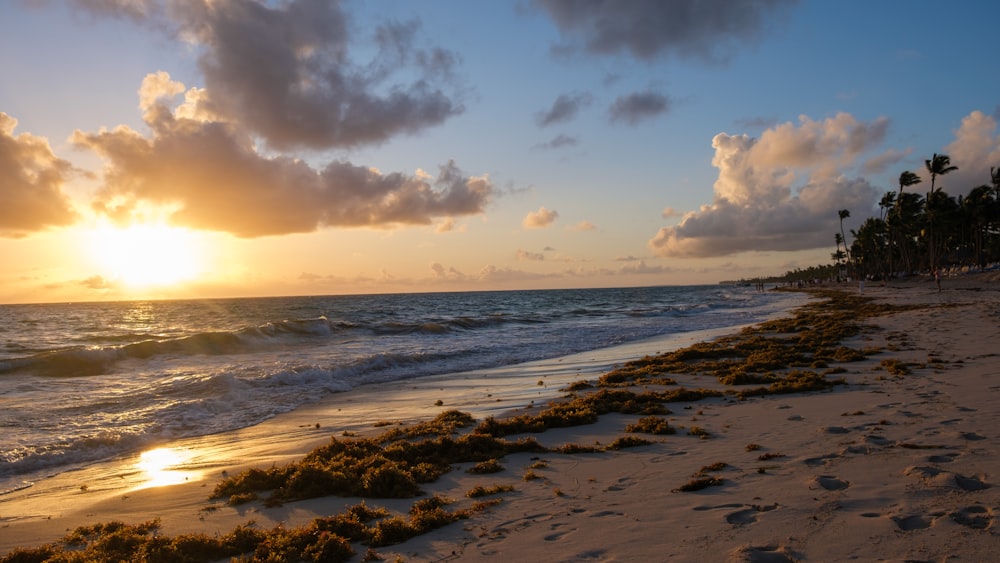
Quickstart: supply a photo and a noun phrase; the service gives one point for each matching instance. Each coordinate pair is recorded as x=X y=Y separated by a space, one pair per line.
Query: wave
x=100 y=359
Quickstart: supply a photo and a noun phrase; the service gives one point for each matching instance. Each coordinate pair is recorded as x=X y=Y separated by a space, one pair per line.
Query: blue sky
x=582 y=143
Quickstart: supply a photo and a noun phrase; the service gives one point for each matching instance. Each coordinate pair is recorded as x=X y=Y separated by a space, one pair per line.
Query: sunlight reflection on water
x=164 y=466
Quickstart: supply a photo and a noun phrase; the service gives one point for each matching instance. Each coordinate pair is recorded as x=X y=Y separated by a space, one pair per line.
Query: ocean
x=84 y=382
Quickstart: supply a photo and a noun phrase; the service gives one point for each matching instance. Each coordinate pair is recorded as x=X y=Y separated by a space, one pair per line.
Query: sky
x=225 y=148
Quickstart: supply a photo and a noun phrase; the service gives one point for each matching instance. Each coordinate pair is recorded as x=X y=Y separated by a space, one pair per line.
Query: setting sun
x=145 y=255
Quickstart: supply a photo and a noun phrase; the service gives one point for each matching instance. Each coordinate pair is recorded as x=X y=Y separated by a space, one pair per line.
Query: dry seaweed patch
x=481 y=491
x=651 y=425
x=699 y=484
x=327 y=539
x=809 y=339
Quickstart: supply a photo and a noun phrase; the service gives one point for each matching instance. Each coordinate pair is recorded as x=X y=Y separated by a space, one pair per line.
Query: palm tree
x=906 y=179
x=938 y=165
x=844 y=214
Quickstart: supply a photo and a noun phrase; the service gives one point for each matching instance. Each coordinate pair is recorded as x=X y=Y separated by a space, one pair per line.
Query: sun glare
x=164 y=466
x=144 y=255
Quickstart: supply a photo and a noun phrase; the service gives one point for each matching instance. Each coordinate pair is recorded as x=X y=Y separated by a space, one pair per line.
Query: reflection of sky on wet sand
x=164 y=466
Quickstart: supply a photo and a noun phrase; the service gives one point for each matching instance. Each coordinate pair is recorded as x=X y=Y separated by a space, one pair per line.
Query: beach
x=887 y=467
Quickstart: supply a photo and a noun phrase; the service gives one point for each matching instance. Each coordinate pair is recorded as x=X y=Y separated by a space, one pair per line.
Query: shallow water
x=85 y=382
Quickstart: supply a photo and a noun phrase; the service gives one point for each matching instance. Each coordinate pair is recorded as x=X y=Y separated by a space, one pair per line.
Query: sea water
x=82 y=382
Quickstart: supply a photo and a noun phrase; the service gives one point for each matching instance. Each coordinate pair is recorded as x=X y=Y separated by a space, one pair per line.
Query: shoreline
x=121 y=488
x=887 y=468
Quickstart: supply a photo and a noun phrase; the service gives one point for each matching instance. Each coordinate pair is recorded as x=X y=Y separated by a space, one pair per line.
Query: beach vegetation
x=717 y=466
x=578 y=386
x=483 y=467
x=752 y=447
x=699 y=484
x=327 y=539
x=895 y=367
x=530 y=475
x=651 y=425
x=770 y=455
x=623 y=442
x=481 y=491
x=699 y=432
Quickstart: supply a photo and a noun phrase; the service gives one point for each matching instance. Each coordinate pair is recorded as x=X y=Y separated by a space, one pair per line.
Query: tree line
x=918 y=231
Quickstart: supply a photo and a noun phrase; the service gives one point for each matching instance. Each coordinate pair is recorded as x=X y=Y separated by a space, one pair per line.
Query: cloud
x=638 y=106
x=975 y=149
x=563 y=109
x=582 y=226
x=136 y=10
x=285 y=70
x=881 y=162
x=211 y=175
x=670 y=213
x=525 y=255
x=559 y=141
x=31 y=180
x=779 y=192
x=539 y=219
x=709 y=30
x=98 y=283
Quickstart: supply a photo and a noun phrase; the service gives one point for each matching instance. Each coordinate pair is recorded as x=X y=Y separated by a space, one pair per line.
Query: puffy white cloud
x=975 y=149
x=582 y=226
x=711 y=30
x=539 y=219
x=211 y=174
x=31 y=180
x=779 y=192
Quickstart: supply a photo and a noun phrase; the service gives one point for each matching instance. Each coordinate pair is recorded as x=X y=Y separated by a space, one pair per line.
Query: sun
x=147 y=255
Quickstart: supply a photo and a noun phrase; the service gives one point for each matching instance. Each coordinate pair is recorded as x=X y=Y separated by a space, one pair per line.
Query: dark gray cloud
x=638 y=106
x=212 y=176
x=711 y=30
x=563 y=109
x=285 y=72
x=559 y=141
x=31 y=180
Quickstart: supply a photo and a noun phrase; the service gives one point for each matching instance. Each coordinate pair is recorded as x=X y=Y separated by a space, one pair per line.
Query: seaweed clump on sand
x=392 y=465
x=777 y=354
x=327 y=539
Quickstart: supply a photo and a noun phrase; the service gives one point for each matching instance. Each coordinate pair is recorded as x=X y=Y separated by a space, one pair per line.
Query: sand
x=882 y=469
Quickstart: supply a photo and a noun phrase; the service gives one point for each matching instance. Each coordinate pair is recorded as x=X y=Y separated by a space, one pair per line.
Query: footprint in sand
x=831 y=483
x=620 y=485
x=975 y=516
x=821 y=460
x=970 y=483
x=748 y=515
x=936 y=477
x=914 y=522
x=946 y=458
x=763 y=554
x=972 y=436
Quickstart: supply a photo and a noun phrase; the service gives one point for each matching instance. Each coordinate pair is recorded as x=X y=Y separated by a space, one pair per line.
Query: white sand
x=885 y=468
